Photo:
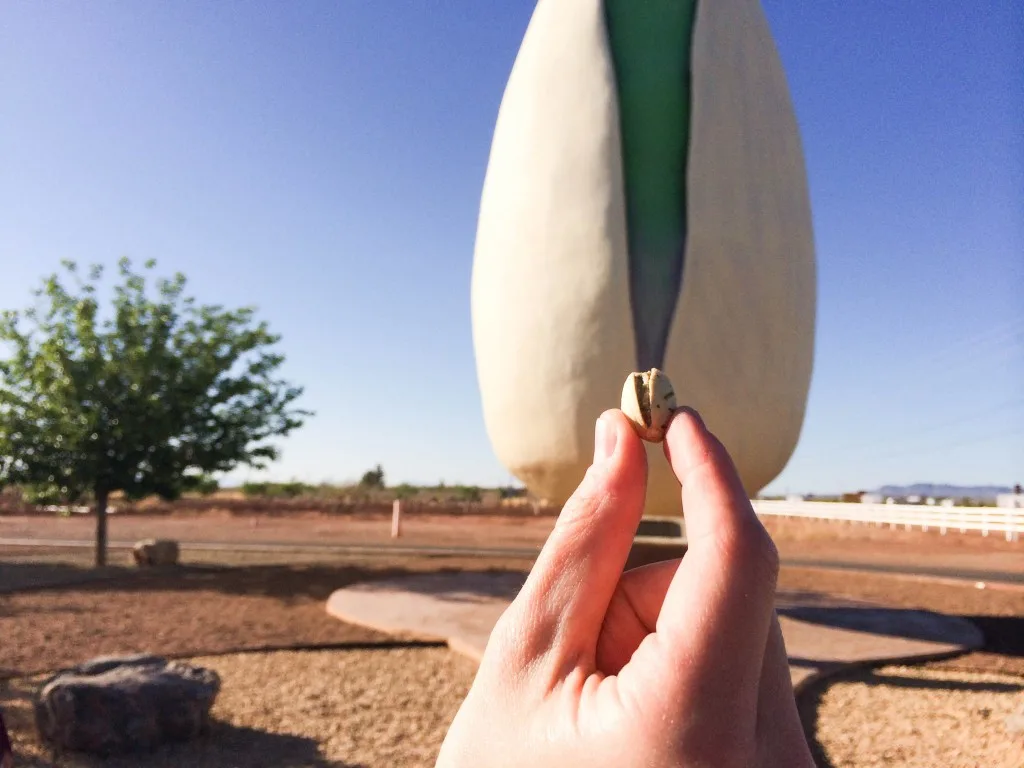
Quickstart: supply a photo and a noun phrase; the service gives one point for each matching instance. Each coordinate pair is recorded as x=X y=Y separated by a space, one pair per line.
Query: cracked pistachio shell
x=648 y=400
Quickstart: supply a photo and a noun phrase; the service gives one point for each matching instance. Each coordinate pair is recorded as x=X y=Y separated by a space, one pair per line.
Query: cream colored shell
x=648 y=401
x=552 y=324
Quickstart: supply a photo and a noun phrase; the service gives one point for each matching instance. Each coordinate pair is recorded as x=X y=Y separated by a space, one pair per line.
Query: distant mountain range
x=937 y=490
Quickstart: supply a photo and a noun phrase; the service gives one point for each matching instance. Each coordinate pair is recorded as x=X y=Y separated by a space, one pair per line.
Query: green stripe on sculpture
x=650 y=49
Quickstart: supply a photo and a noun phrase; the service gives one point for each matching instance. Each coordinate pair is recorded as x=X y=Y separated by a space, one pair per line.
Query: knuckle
x=500 y=651
x=514 y=647
x=750 y=549
x=505 y=634
x=513 y=632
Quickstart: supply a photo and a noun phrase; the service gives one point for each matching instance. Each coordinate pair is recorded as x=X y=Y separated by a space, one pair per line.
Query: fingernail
x=606 y=437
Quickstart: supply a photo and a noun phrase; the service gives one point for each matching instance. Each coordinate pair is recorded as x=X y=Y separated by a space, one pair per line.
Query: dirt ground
x=372 y=707
x=232 y=608
x=213 y=611
x=306 y=689
x=916 y=717
x=827 y=540
x=295 y=527
x=55 y=612
x=797 y=539
x=189 y=611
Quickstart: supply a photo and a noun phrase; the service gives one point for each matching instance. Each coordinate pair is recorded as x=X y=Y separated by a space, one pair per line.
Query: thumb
x=566 y=596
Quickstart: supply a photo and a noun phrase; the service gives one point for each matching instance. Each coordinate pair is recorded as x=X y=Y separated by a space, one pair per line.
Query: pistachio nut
x=648 y=400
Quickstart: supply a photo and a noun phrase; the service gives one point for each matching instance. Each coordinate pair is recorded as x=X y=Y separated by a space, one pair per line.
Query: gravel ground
x=203 y=609
x=917 y=717
x=391 y=708
x=186 y=611
x=289 y=709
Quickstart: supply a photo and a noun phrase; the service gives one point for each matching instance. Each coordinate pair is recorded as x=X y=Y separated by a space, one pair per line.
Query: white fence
x=77 y=510
x=1007 y=521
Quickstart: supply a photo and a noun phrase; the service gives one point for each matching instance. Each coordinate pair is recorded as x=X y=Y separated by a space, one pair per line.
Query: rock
x=151 y=552
x=125 y=704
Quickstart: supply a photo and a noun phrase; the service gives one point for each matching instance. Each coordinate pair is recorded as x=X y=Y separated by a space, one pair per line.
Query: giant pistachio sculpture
x=645 y=206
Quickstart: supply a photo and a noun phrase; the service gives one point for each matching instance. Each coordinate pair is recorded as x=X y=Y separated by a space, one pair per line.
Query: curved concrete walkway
x=822 y=634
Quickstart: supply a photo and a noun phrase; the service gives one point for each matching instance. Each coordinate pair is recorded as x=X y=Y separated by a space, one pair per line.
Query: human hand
x=672 y=665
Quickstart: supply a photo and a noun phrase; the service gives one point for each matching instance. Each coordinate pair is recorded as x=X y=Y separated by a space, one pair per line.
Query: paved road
x=385 y=550
x=284 y=547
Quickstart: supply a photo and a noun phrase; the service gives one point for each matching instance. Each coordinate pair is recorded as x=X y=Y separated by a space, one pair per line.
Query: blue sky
x=323 y=161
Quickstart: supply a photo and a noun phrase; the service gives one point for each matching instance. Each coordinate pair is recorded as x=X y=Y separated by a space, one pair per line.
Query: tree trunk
x=101 y=528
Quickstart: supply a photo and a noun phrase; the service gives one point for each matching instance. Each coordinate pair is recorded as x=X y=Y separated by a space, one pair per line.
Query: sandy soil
x=365 y=708
x=919 y=717
x=368 y=703
x=391 y=708
x=187 y=611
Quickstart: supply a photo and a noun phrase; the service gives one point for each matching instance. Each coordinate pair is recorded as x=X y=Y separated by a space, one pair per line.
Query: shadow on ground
x=890 y=622
x=810 y=700
x=190 y=610
x=896 y=681
x=457 y=586
x=809 y=704
x=224 y=745
x=21 y=575
x=1004 y=637
x=284 y=582
x=1003 y=634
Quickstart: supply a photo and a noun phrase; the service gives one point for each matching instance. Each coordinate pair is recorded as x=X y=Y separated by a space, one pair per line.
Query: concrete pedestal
x=657 y=539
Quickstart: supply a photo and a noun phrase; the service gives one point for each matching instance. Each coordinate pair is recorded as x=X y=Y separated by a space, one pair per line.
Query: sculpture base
x=657 y=539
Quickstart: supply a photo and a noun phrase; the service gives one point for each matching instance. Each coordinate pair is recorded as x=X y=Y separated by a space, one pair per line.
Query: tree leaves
x=147 y=395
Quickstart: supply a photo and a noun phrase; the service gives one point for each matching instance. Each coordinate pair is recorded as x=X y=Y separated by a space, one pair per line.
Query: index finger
x=719 y=605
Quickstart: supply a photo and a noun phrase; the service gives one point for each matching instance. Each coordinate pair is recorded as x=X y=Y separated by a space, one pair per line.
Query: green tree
x=207 y=485
x=374 y=478
x=405 y=491
x=468 y=493
x=148 y=397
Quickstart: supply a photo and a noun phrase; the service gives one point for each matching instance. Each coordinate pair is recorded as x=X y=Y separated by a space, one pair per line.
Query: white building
x=871 y=498
x=1010 y=500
